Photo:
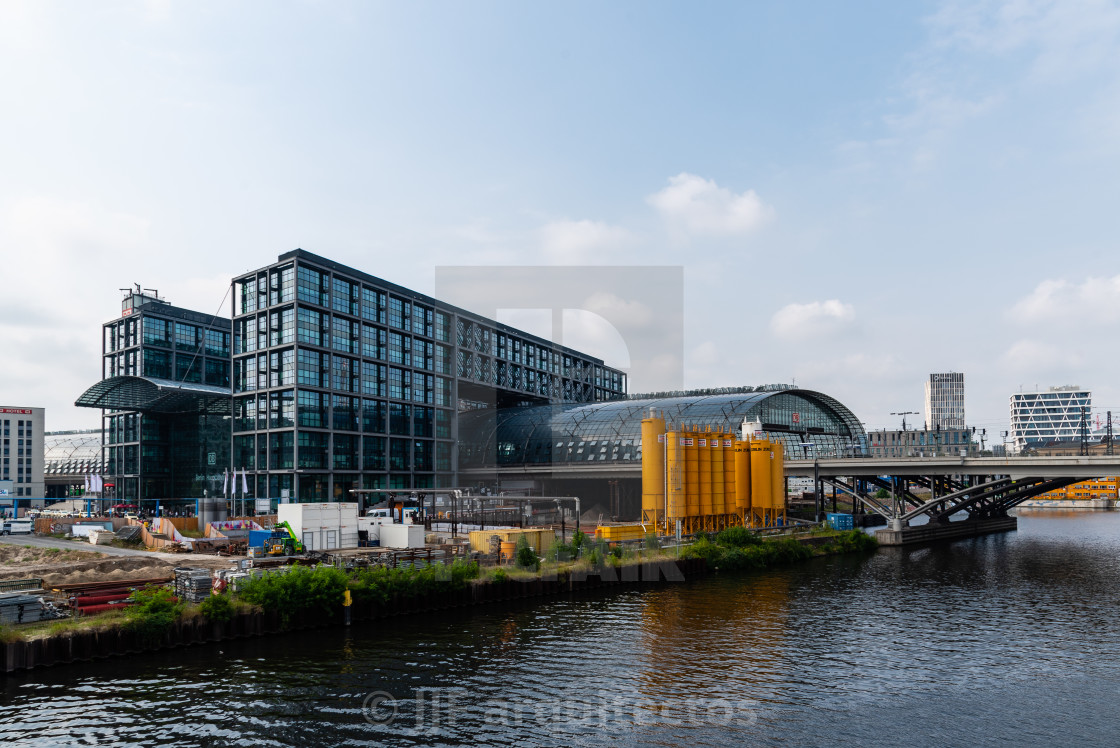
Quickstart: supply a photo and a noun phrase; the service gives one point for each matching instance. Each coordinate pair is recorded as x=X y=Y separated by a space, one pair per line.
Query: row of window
x=339 y=373
x=321 y=410
x=166 y=333
x=338 y=294
x=323 y=451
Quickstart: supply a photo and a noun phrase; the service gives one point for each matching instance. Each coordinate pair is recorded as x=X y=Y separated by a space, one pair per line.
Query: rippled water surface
x=1005 y=640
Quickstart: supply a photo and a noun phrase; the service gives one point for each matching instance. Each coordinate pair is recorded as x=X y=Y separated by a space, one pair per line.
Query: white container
x=402 y=536
x=322 y=526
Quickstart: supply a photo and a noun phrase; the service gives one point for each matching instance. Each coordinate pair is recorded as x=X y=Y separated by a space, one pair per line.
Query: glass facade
x=611 y=432
x=162 y=455
x=370 y=376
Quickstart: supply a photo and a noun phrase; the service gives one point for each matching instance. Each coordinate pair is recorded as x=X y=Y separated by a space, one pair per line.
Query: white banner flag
x=88 y=489
x=225 y=481
x=96 y=483
x=244 y=484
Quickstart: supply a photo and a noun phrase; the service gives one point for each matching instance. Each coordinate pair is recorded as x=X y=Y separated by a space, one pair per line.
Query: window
x=400 y=349
x=310 y=368
x=400 y=384
x=373 y=379
x=345 y=452
x=247 y=295
x=281 y=409
x=344 y=374
x=281 y=368
x=311 y=288
x=217 y=372
x=313 y=449
x=373 y=342
x=422 y=455
x=441 y=328
x=400 y=314
x=344 y=297
x=282 y=286
x=188 y=368
x=373 y=453
x=280 y=447
x=309 y=327
x=281 y=327
x=422 y=421
x=312 y=409
x=399 y=419
x=345 y=413
x=157 y=364
x=343 y=338
x=186 y=337
x=217 y=343
x=156 y=332
x=373 y=416
x=373 y=305
x=399 y=454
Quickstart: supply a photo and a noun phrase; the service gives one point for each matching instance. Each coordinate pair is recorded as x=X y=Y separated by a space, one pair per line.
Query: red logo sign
x=797 y=418
x=17 y=411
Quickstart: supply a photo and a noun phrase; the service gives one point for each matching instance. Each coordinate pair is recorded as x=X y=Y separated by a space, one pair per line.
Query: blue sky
x=859 y=193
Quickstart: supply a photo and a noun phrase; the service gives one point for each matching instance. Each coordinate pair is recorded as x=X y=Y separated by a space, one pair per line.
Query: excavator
x=283 y=541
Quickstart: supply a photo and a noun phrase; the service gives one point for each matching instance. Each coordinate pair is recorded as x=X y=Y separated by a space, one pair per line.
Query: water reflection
x=1007 y=639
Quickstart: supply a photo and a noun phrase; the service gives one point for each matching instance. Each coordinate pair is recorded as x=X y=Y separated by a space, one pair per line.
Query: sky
x=856 y=194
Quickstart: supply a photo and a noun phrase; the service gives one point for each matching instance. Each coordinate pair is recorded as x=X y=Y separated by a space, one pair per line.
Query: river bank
x=310 y=598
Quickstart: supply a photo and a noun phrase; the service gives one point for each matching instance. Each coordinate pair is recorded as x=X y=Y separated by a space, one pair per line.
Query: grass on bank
x=321 y=588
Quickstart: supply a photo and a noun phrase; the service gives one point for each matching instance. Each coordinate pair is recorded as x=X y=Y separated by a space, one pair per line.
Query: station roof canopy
x=612 y=431
x=149 y=395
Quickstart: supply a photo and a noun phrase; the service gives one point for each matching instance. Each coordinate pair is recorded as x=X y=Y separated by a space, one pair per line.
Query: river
x=1009 y=639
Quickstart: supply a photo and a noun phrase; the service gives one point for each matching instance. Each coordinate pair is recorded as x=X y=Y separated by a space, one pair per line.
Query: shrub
x=217 y=608
x=302 y=588
x=737 y=537
x=652 y=543
x=499 y=575
x=526 y=558
x=155 y=610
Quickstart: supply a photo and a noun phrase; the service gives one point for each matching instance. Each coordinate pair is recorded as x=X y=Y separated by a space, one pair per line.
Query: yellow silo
x=704 y=466
x=728 y=448
x=762 y=491
x=674 y=480
x=742 y=476
x=653 y=468
x=778 y=481
x=691 y=472
x=719 y=501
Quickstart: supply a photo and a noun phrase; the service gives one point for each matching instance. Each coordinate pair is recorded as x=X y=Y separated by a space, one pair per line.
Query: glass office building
x=343 y=381
x=165 y=400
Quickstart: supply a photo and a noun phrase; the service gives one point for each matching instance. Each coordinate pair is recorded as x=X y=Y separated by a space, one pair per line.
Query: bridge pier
x=935 y=531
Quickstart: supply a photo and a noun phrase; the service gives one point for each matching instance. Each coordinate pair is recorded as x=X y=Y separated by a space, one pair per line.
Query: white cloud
x=701 y=206
x=1093 y=301
x=580 y=242
x=1034 y=356
x=1065 y=38
x=591 y=333
x=815 y=319
x=629 y=314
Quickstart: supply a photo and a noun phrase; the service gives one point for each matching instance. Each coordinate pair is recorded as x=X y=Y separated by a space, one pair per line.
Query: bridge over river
x=929 y=497
x=966 y=495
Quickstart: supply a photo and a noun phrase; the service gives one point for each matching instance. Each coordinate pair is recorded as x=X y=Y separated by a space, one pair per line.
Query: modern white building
x=945 y=401
x=1054 y=414
x=21 y=459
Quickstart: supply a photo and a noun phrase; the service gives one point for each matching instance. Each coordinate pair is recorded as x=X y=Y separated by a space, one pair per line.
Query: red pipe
x=97 y=599
x=91 y=609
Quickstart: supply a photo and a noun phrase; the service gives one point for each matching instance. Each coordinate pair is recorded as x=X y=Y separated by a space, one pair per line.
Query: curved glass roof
x=149 y=395
x=74 y=453
x=808 y=423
